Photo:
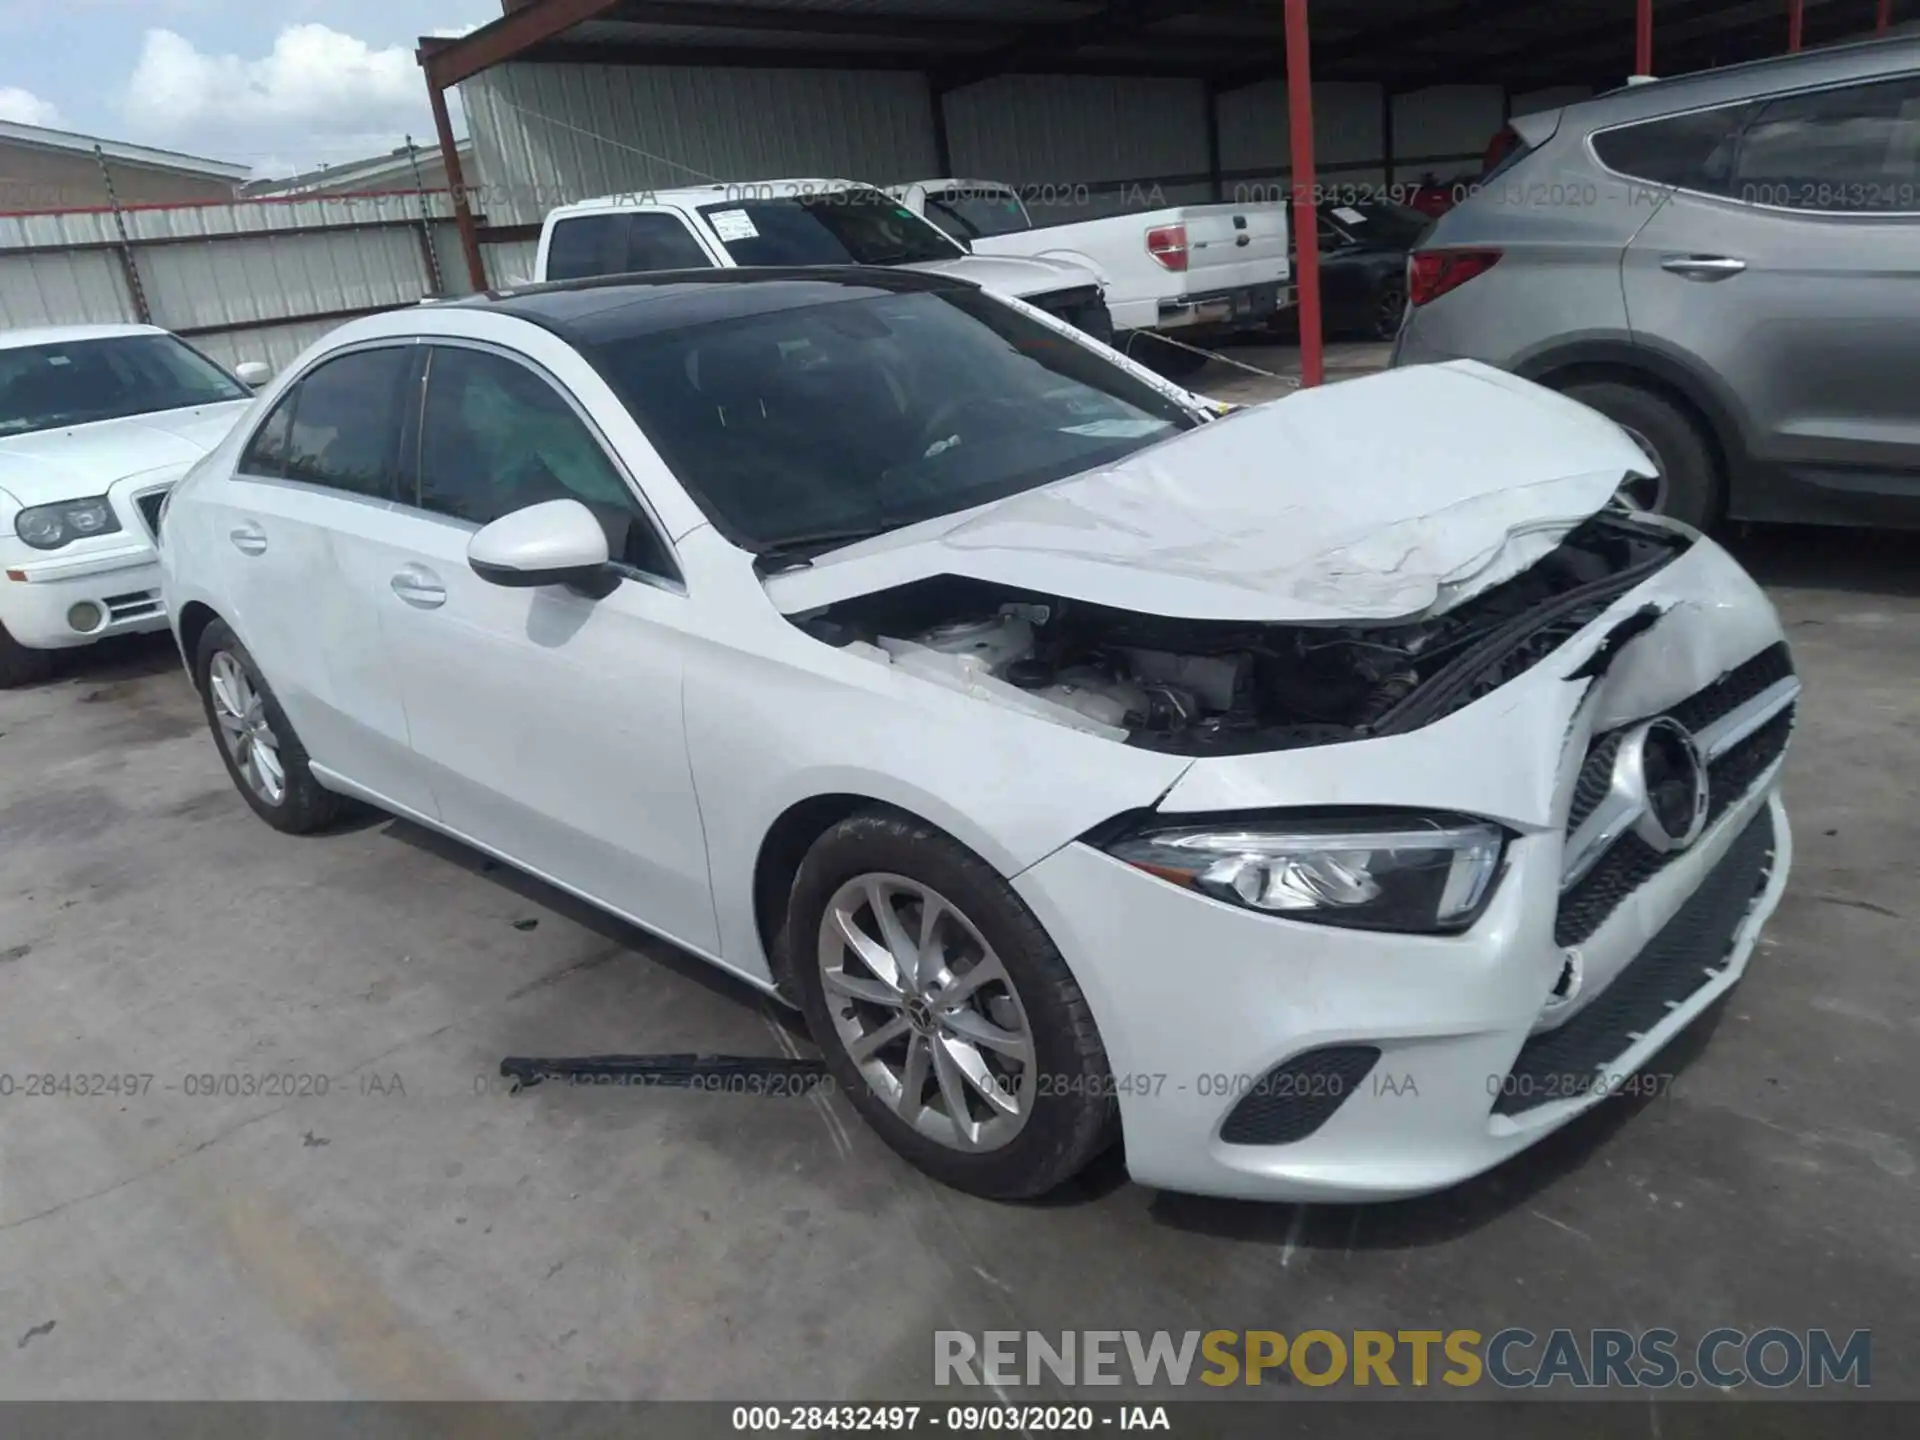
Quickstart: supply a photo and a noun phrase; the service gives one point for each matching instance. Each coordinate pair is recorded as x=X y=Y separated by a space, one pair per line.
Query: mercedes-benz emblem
x=1661 y=760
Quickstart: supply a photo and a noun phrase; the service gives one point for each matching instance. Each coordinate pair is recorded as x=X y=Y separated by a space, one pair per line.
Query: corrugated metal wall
x=1068 y=140
x=252 y=280
x=545 y=135
x=1077 y=146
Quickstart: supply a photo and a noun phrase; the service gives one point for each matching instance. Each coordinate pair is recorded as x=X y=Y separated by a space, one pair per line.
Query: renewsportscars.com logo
x=1511 y=1359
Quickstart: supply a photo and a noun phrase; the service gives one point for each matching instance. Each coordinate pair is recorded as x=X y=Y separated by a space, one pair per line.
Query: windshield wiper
x=794 y=552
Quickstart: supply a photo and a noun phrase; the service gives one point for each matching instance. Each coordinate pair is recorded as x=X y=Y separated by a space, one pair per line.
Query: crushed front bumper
x=1264 y=1058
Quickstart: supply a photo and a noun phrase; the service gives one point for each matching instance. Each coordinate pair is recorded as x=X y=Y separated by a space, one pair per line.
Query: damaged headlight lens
x=1415 y=873
x=48 y=527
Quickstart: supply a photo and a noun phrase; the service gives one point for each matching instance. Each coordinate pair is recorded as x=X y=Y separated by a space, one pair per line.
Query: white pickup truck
x=1193 y=271
x=797 y=222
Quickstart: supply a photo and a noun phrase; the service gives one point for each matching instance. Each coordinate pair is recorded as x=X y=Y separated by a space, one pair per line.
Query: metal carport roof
x=1402 y=44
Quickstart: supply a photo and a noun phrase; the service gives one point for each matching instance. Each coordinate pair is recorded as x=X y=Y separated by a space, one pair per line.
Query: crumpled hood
x=80 y=460
x=1013 y=275
x=1375 y=499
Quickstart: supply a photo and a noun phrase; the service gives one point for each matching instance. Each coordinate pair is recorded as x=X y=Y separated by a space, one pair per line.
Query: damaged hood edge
x=1305 y=510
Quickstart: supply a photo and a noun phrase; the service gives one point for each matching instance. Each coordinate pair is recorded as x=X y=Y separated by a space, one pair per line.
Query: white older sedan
x=1330 y=808
x=96 y=423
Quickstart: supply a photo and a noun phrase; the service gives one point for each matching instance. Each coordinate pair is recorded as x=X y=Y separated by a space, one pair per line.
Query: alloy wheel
x=241 y=714
x=927 y=1012
x=1649 y=493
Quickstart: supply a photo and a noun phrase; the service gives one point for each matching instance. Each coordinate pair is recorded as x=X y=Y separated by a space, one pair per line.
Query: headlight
x=1393 y=872
x=48 y=527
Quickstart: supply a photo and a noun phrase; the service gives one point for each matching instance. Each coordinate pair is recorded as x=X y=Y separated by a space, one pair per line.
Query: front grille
x=1631 y=862
x=150 y=504
x=134 y=605
x=1298 y=1096
x=1688 y=952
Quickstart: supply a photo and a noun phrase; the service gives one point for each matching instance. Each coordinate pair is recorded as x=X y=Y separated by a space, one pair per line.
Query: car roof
x=745 y=192
x=587 y=311
x=66 y=334
x=1883 y=58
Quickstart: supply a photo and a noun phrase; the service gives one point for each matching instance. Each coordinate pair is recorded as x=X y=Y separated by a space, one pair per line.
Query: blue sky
x=278 y=85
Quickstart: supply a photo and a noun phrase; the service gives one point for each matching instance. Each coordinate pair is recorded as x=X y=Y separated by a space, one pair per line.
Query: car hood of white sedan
x=1016 y=275
x=1382 y=498
x=79 y=460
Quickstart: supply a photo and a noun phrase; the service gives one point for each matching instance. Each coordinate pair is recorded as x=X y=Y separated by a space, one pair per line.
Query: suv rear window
x=1694 y=150
x=1854 y=148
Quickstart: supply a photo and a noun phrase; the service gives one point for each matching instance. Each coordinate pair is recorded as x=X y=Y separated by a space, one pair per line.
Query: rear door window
x=622 y=244
x=347 y=418
x=1856 y=148
x=1693 y=151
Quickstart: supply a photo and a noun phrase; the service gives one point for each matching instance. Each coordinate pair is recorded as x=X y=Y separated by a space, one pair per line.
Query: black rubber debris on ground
x=727 y=1074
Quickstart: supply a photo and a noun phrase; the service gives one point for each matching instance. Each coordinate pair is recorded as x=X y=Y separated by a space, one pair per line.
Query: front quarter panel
x=775 y=717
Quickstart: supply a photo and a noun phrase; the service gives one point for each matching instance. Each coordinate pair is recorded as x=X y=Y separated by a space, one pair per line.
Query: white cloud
x=317 y=96
x=23 y=107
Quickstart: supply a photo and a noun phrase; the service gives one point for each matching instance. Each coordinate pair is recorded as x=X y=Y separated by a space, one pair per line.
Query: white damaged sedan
x=1329 y=798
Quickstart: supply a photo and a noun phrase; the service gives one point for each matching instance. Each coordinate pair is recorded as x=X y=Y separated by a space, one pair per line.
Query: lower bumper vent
x=1687 y=953
x=1298 y=1096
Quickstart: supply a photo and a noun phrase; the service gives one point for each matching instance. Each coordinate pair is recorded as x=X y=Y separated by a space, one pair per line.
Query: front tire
x=262 y=753
x=1688 y=485
x=20 y=665
x=944 y=1010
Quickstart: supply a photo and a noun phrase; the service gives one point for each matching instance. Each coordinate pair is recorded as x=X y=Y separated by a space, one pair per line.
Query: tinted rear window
x=1694 y=150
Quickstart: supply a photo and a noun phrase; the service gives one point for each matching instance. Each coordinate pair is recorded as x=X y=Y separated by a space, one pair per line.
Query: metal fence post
x=134 y=288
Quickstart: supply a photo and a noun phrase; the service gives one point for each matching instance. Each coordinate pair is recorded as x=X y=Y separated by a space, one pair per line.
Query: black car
x=1363 y=266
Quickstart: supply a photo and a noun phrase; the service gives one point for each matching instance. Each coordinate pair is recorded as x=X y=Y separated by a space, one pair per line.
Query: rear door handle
x=249 y=539
x=1703 y=267
x=419 y=587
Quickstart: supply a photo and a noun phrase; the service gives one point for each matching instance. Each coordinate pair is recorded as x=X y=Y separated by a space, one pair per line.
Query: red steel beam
x=1643 y=37
x=498 y=41
x=457 y=186
x=1883 y=19
x=1796 y=24
x=1306 y=226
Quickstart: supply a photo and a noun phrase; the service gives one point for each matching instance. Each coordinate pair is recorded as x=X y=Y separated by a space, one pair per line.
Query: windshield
x=976 y=214
x=837 y=227
x=1379 y=222
x=44 y=387
x=834 y=420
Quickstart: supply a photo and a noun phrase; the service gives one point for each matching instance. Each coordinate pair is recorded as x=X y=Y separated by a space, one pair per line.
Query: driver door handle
x=419 y=587
x=1703 y=267
x=249 y=539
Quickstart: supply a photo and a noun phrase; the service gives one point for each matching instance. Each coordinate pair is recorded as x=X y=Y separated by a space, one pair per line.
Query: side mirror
x=253 y=373
x=557 y=542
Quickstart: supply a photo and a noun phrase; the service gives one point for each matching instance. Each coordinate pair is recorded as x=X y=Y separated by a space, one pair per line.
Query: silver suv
x=1727 y=264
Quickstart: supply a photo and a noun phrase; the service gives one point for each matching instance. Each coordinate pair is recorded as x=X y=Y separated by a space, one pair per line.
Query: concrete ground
x=414 y=1232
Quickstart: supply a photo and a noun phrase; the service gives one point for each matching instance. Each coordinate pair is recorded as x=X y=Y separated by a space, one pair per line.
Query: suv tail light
x=1168 y=245
x=1432 y=273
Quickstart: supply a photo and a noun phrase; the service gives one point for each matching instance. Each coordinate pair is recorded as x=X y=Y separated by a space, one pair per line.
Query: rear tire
x=1690 y=485
x=20 y=665
x=256 y=741
x=1056 y=1106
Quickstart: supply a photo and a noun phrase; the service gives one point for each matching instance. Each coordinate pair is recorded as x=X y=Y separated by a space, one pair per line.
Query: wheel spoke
x=905 y=954
x=874 y=992
x=875 y=956
x=266 y=760
x=231 y=725
x=930 y=959
x=913 y=1078
x=953 y=1090
x=985 y=971
x=877 y=1039
x=976 y=1029
x=989 y=1086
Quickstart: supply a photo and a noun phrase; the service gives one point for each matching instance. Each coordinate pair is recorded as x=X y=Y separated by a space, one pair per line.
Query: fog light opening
x=86 y=617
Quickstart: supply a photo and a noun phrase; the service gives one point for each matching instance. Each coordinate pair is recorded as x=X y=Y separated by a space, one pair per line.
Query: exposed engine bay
x=1210 y=687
